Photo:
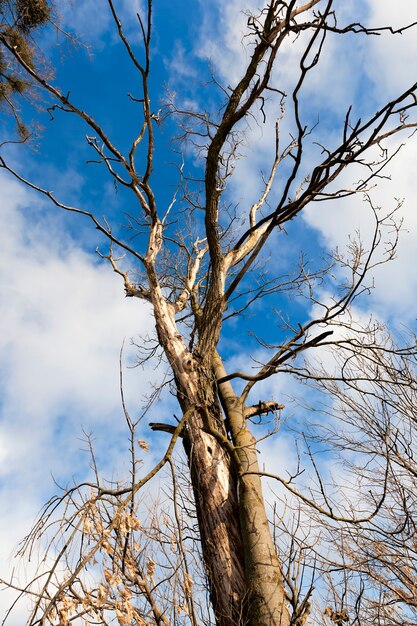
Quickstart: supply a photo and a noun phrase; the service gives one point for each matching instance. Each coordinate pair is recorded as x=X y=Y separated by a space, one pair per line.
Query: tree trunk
x=267 y=606
x=245 y=581
x=246 y=584
x=215 y=492
x=213 y=479
x=265 y=586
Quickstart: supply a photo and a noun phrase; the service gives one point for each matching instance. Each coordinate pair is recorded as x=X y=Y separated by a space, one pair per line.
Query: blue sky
x=64 y=316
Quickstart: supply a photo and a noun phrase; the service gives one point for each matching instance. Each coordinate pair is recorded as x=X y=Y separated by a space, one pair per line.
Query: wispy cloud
x=93 y=25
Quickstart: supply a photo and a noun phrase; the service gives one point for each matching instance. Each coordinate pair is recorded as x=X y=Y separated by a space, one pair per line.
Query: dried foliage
x=18 y=21
x=32 y=13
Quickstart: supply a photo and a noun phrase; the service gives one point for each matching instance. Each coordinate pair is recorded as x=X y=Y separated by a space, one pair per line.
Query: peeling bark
x=215 y=491
x=213 y=478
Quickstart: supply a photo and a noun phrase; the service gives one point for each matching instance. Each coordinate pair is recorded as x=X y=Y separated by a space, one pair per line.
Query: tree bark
x=213 y=478
x=265 y=587
x=267 y=605
x=215 y=492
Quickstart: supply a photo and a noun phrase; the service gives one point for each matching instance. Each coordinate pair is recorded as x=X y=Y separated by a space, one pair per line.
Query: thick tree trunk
x=265 y=587
x=245 y=581
x=213 y=479
x=246 y=584
x=215 y=492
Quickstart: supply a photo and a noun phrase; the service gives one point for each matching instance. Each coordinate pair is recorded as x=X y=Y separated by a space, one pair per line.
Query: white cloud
x=391 y=56
x=396 y=282
x=64 y=317
x=224 y=40
x=386 y=60
x=83 y=18
x=179 y=65
x=221 y=38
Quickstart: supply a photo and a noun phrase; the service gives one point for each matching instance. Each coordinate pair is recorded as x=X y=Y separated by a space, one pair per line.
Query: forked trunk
x=213 y=479
x=264 y=582
x=246 y=585
x=245 y=582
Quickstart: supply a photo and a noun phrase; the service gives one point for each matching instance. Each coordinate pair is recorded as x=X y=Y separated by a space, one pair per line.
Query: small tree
x=194 y=280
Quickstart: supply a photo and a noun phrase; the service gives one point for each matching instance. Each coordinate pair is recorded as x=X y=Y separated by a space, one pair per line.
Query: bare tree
x=373 y=402
x=195 y=281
